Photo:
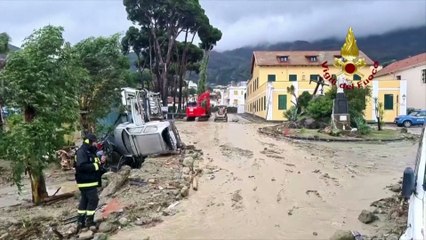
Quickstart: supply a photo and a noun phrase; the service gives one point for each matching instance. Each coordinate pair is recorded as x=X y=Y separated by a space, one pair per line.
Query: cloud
x=242 y=23
x=281 y=21
x=80 y=19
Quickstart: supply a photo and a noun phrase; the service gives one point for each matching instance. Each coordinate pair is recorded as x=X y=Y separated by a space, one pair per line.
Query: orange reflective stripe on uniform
x=83 y=185
x=96 y=166
x=89 y=213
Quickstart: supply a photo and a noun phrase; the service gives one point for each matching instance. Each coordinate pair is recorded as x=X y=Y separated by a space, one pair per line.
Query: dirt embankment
x=131 y=197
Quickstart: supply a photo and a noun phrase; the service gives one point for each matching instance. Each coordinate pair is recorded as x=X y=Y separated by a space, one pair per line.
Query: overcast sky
x=242 y=22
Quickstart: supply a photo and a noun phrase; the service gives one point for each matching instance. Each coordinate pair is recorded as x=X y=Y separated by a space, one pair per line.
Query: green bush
x=303 y=101
x=362 y=126
x=291 y=114
x=320 y=108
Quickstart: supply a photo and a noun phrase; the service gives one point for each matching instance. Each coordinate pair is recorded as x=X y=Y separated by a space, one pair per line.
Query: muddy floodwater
x=277 y=189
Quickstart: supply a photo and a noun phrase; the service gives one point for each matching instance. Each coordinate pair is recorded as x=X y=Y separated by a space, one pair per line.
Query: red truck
x=199 y=109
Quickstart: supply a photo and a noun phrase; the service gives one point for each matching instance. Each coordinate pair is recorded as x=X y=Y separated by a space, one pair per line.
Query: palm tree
x=4 y=49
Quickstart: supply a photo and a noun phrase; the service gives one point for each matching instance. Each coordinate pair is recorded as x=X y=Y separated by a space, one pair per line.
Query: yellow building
x=273 y=71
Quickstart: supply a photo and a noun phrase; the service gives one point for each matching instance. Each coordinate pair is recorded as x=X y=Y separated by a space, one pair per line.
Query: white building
x=191 y=84
x=235 y=96
x=220 y=92
x=413 y=70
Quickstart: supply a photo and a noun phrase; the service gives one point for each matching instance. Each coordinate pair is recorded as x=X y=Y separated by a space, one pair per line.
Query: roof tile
x=297 y=58
x=403 y=64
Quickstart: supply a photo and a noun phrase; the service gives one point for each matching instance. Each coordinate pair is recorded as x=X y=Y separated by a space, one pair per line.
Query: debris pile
x=129 y=198
x=392 y=214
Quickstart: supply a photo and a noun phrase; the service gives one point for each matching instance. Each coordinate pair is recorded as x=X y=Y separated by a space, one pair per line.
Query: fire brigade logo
x=349 y=64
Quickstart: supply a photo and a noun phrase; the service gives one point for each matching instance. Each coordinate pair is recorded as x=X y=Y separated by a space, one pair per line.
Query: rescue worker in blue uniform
x=88 y=172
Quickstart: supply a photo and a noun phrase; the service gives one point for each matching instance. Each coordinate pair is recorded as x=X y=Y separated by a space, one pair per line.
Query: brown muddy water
x=276 y=189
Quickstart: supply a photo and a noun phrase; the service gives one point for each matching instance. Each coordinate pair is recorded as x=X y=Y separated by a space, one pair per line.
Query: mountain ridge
x=234 y=65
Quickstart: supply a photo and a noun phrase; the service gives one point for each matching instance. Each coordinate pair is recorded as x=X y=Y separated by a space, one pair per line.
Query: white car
x=414 y=190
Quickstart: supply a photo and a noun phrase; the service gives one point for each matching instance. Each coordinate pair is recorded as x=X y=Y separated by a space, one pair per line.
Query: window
x=271 y=78
x=388 y=102
x=357 y=77
x=261 y=104
x=398 y=77
x=423 y=114
x=283 y=58
x=264 y=102
x=314 y=77
x=292 y=77
x=424 y=75
x=282 y=102
x=235 y=92
x=312 y=58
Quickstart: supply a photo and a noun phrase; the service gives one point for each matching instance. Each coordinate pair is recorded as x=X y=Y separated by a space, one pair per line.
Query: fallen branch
x=56 y=191
x=52 y=199
x=57 y=233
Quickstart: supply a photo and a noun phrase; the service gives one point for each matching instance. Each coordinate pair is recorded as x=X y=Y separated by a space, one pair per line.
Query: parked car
x=414 y=118
x=414 y=191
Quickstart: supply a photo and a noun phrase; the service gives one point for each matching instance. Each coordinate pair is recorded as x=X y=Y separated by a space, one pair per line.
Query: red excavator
x=199 y=109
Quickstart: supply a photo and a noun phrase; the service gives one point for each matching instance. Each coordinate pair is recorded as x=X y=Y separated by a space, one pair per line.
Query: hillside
x=234 y=65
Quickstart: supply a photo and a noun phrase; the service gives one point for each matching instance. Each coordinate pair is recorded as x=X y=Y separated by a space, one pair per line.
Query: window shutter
x=388 y=105
x=282 y=102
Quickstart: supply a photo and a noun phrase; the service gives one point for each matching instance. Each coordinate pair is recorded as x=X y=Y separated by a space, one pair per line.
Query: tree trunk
x=164 y=89
x=1 y=97
x=379 y=124
x=140 y=69
x=38 y=187
x=38 y=184
x=180 y=93
x=1 y=114
x=84 y=121
x=174 y=89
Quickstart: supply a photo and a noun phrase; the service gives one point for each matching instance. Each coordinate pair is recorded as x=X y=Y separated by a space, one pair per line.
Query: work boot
x=81 y=222
x=90 y=221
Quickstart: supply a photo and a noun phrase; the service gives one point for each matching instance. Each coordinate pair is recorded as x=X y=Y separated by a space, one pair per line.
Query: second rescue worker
x=88 y=172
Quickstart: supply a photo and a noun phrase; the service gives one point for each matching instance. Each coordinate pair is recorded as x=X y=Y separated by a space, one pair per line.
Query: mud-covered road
x=276 y=189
